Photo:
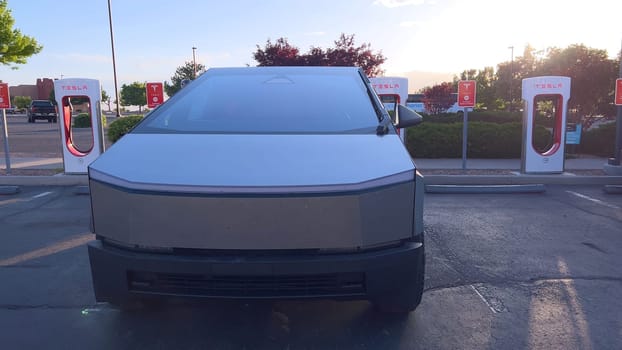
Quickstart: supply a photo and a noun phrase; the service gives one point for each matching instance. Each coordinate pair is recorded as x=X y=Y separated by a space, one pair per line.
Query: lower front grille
x=324 y=285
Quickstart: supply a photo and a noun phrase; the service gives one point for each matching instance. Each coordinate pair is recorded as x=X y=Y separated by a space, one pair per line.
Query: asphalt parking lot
x=514 y=271
x=41 y=139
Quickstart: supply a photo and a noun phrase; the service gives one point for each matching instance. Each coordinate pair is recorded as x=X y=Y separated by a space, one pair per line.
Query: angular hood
x=226 y=163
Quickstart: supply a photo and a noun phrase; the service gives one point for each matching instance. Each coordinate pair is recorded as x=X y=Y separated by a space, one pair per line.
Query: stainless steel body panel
x=267 y=182
x=286 y=221
x=250 y=161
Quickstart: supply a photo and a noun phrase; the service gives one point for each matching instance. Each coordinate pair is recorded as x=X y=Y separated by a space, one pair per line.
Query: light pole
x=194 y=61
x=114 y=64
x=617 y=156
x=511 y=76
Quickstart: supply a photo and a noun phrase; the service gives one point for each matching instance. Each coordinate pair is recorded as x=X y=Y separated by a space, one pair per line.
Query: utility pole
x=618 y=150
x=194 y=61
x=114 y=64
x=511 y=78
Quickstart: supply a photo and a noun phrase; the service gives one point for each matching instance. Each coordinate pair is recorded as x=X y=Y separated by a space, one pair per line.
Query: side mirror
x=406 y=117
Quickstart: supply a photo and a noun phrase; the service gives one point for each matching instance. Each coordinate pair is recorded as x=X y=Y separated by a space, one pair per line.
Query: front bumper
x=120 y=275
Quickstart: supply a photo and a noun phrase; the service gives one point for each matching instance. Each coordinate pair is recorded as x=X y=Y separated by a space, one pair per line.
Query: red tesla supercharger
x=552 y=92
x=80 y=146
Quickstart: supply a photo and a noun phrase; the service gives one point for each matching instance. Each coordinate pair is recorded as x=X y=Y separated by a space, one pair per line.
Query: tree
x=134 y=95
x=182 y=72
x=344 y=53
x=438 y=98
x=22 y=102
x=509 y=75
x=280 y=53
x=14 y=46
x=486 y=92
x=593 y=77
x=52 y=97
x=106 y=99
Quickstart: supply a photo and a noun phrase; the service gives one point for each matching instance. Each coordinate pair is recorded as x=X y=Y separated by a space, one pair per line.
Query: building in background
x=40 y=91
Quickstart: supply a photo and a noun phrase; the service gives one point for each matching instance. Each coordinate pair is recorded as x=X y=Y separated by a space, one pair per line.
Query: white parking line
x=484 y=300
x=20 y=200
x=41 y=195
x=594 y=200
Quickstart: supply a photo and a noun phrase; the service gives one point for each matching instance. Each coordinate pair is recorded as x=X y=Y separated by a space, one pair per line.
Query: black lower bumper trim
x=242 y=286
x=119 y=275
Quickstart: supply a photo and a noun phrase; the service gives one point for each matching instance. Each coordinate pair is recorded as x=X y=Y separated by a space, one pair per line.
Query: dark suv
x=42 y=109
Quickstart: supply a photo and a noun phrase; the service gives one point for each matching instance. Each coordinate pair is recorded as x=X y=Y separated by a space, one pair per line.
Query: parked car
x=11 y=110
x=42 y=109
x=415 y=102
x=262 y=182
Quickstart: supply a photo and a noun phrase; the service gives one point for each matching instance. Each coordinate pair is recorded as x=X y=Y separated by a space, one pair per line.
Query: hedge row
x=484 y=140
x=83 y=120
x=122 y=126
x=599 y=141
x=494 y=135
x=443 y=139
x=477 y=116
x=500 y=117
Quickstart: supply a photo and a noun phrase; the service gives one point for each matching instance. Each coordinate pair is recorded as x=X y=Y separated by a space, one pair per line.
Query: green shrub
x=496 y=117
x=478 y=116
x=485 y=140
x=122 y=126
x=83 y=120
x=599 y=141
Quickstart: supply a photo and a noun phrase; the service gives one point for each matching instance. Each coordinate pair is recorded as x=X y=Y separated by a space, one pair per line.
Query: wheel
x=407 y=298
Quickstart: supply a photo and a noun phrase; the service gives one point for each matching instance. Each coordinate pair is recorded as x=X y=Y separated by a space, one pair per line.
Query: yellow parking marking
x=49 y=250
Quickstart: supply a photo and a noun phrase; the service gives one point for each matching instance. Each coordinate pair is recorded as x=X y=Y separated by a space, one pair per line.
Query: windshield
x=268 y=100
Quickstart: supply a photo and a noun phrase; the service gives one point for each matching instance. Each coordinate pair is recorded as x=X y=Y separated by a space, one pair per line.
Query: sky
x=428 y=41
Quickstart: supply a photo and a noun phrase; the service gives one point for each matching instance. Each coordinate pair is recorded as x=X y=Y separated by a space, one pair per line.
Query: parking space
x=503 y=271
x=41 y=139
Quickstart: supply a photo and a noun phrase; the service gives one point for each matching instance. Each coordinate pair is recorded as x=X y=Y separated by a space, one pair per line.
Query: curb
x=613 y=189
x=9 y=189
x=611 y=169
x=520 y=180
x=56 y=180
x=482 y=189
x=82 y=190
x=82 y=180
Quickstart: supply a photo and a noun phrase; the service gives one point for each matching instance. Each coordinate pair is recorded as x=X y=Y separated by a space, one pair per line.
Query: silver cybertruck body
x=280 y=183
